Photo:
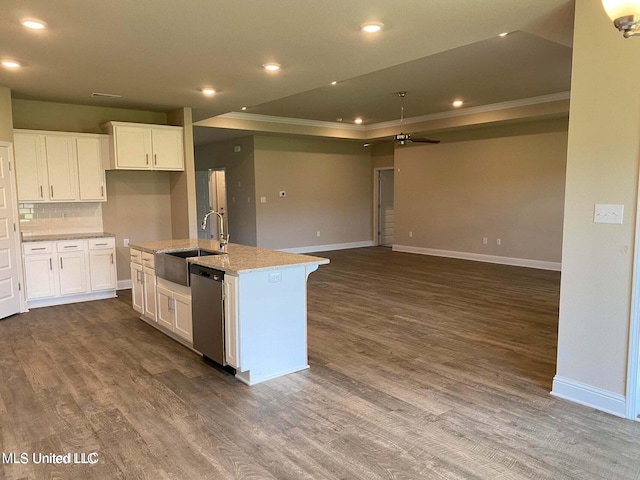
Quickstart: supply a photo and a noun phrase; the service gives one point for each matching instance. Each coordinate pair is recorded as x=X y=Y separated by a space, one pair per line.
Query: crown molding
x=364 y=129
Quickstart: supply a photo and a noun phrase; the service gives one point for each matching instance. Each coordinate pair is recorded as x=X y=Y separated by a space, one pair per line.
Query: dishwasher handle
x=204 y=272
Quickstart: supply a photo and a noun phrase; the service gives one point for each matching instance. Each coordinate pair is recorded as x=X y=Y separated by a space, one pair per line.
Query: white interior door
x=9 y=245
x=218 y=200
x=385 y=208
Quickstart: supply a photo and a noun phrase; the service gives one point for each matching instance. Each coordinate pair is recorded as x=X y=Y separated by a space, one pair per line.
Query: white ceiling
x=157 y=54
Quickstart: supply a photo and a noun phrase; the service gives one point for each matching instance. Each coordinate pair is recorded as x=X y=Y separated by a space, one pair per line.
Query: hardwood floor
x=421 y=367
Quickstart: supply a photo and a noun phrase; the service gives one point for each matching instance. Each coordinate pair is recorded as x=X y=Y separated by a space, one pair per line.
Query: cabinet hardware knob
x=112 y=259
x=147 y=158
x=41 y=192
x=50 y=265
x=155 y=159
x=61 y=266
x=51 y=191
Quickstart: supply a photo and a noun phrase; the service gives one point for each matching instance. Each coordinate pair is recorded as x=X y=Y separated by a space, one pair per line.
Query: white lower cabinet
x=143 y=284
x=174 y=308
x=231 y=327
x=69 y=271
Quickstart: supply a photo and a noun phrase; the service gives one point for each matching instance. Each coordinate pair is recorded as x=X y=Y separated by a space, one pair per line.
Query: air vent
x=105 y=95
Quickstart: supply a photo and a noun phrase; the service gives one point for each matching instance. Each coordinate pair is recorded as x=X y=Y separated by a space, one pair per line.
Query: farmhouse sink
x=173 y=266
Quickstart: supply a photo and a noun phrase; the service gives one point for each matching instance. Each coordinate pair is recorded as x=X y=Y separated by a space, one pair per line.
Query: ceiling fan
x=403 y=138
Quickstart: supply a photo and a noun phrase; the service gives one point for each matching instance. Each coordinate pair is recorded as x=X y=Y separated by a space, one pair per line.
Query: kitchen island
x=265 y=303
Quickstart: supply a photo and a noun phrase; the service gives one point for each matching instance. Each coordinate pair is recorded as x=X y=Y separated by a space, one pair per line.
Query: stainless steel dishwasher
x=207 y=308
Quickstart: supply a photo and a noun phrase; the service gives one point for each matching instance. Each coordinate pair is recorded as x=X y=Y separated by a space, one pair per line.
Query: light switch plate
x=263 y=199
x=606 y=213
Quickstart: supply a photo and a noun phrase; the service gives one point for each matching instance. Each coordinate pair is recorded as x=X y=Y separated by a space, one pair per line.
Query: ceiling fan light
x=457 y=103
x=272 y=67
x=10 y=64
x=33 y=24
x=358 y=121
x=625 y=15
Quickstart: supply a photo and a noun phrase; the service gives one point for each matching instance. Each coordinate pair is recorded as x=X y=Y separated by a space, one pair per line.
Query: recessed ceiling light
x=244 y=108
x=10 y=64
x=358 y=121
x=334 y=83
x=271 y=67
x=208 y=91
x=33 y=23
x=371 y=27
x=503 y=34
x=457 y=103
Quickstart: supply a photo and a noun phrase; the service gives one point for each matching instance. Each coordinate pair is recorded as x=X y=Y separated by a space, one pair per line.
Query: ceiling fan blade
x=376 y=142
x=424 y=140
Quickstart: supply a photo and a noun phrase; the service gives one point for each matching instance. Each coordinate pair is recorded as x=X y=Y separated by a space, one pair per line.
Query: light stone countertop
x=237 y=258
x=65 y=236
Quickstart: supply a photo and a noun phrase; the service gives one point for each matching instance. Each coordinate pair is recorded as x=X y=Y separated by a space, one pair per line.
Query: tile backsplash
x=60 y=218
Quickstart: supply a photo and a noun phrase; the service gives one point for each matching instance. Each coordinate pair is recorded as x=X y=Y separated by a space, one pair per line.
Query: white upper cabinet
x=136 y=146
x=91 y=178
x=59 y=166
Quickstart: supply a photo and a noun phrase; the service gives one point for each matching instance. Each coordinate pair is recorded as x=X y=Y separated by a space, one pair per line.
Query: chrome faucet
x=224 y=237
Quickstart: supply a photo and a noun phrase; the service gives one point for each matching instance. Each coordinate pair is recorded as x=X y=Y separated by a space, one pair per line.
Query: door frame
x=632 y=399
x=376 y=201
x=17 y=238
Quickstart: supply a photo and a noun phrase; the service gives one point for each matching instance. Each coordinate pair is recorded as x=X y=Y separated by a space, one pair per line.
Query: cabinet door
x=165 y=308
x=102 y=270
x=91 y=180
x=168 y=153
x=137 y=294
x=72 y=270
x=150 y=292
x=31 y=174
x=40 y=276
x=231 y=327
x=182 y=311
x=61 y=168
x=132 y=147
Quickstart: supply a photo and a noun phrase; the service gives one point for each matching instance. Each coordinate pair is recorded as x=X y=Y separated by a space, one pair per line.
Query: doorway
x=384 y=207
x=211 y=194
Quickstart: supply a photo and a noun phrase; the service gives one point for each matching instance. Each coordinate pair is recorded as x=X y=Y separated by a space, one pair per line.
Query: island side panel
x=273 y=323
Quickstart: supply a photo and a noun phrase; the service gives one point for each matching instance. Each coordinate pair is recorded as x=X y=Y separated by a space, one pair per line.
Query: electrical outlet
x=410 y=234
x=498 y=241
x=263 y=199
x=318 y=233
x=485 y=240
x=126 y=242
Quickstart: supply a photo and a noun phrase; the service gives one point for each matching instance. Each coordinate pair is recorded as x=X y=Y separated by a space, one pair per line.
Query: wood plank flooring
x=421 y=368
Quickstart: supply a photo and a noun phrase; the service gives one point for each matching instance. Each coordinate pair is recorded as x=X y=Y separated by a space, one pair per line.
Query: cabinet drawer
x=36 y=248
x=148 y=260
x=71 y=246
x=102 y=243
x=136 y=256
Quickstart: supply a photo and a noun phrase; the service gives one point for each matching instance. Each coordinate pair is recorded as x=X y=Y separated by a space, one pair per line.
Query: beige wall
x=602 y=167
x=382 y=155
x=452 y=195
x=241 y=184
x=65 y=117
x=6 y=117
x=328 y=185
x=138 y=208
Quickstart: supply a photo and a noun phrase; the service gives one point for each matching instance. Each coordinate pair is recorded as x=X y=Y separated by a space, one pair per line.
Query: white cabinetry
x=102 y=268
x=38 y=270
x=143 y=284
x=59 y=167
x=72 y=264
x=137 y=146
x=174 y=309
x=231 y=328
x=66 y=271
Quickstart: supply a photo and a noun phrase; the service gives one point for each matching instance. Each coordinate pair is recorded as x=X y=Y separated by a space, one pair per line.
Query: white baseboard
x=327 y=248
x=593 y=397
x=479 y=257
x=124 y=284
